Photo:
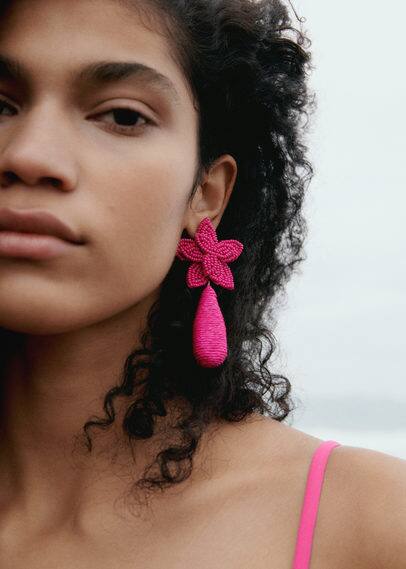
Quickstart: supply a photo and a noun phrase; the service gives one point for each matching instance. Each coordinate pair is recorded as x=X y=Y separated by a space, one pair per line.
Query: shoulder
x=362 y=510
x=377 y=489
x=363 y=500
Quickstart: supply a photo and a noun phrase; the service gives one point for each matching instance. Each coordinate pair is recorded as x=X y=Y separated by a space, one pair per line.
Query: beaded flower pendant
x=209 y=263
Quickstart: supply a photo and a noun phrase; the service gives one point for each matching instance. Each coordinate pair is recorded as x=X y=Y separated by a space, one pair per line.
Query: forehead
x=56 y=38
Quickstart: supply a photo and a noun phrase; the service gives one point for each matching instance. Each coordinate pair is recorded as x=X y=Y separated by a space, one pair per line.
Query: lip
x=36 y=234
x=32 y=246
x=39 y=222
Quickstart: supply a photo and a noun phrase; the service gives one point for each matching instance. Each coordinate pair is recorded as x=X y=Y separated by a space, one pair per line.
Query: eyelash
x=115 y=128
x=126 y=129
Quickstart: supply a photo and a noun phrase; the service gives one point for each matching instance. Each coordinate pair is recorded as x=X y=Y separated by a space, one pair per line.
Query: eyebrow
x=98 y=73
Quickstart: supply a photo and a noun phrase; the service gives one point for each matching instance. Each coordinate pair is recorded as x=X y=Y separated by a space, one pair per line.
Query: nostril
x=52 y=181
x=8 y=178
x=55 y=183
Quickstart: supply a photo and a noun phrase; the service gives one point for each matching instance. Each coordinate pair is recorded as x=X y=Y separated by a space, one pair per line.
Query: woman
x=133 y=123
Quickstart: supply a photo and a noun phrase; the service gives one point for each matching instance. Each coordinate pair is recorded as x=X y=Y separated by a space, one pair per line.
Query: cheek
x=136 y=236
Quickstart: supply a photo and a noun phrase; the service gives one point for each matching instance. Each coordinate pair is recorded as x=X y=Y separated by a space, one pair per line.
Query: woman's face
x=124 y=189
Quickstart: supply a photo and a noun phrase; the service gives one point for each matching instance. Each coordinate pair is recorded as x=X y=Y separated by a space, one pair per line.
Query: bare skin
x=240 y=508
x=79 y=316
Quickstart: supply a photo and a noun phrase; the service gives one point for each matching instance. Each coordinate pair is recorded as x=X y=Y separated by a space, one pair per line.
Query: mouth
x=38 y=222
x=32 y=245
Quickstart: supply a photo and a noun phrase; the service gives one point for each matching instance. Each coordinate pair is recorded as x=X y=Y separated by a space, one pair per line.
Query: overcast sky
x=341 y=332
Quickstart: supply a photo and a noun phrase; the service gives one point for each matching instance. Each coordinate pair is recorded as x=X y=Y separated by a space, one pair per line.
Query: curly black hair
x=247 y=66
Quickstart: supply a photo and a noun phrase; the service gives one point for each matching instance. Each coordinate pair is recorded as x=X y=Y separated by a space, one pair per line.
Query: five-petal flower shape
x=209 y=256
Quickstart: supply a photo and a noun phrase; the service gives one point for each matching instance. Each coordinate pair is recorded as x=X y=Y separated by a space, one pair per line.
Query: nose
x=34 y=150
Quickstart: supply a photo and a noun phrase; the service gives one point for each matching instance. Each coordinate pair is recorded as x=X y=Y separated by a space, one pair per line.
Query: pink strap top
x=310 y=504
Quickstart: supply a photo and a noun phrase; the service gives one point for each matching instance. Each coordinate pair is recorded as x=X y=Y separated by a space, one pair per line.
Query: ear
x=212 y=196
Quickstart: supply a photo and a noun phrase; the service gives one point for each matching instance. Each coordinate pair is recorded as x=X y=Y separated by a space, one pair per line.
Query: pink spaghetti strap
x=310 y=504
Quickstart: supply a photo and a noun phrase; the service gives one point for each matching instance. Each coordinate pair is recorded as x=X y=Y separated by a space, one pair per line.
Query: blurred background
x=341 y=328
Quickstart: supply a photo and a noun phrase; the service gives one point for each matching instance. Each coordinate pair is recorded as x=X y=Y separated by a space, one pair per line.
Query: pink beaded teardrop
x=209 y=263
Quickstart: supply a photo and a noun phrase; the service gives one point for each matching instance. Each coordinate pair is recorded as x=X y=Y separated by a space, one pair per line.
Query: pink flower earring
x=210 y=258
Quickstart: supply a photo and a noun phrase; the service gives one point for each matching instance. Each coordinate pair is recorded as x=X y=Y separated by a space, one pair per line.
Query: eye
x=126 y=116
x=5 y=105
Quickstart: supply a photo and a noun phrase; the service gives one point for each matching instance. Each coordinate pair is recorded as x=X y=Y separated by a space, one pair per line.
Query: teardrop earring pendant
x=209 y=258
